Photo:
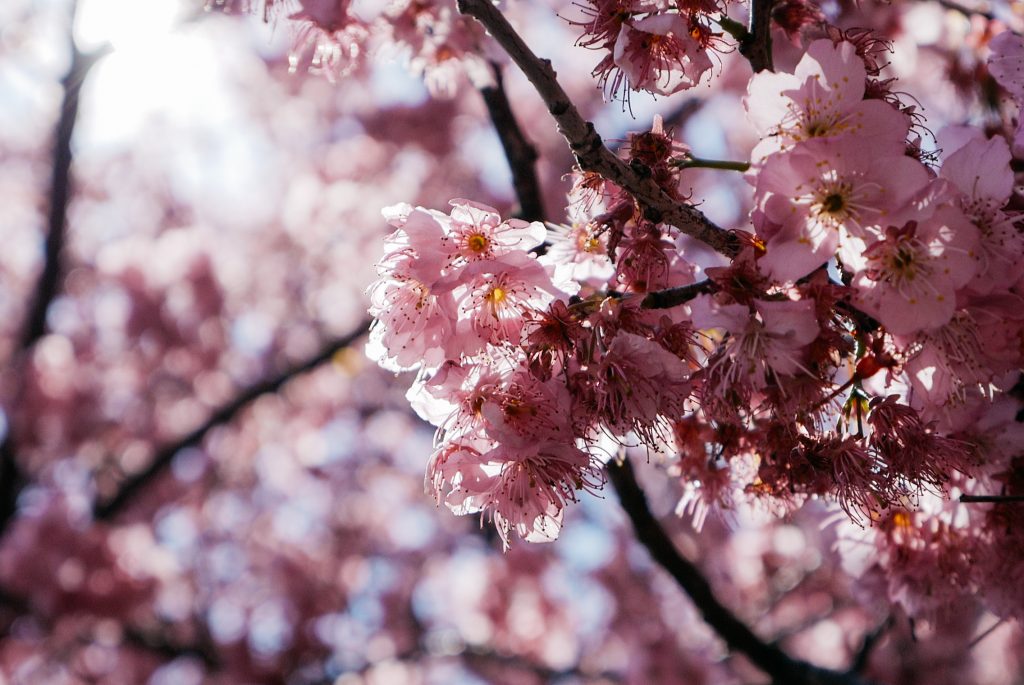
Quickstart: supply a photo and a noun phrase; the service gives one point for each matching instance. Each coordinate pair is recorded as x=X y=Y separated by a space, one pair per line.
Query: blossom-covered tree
x=724 y=300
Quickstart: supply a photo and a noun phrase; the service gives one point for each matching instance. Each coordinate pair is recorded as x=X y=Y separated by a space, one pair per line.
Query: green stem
x=992 y=499
x=698 y=163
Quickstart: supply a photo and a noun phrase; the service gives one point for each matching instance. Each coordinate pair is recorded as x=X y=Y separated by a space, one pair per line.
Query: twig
x=992 y=499
x=985 y=633
x=691 y=162
x=521 y=154
x=757 y=44
x=585 y=143
x=965 y=10
x=133 y=485
x=769 y=658
x=671 y=297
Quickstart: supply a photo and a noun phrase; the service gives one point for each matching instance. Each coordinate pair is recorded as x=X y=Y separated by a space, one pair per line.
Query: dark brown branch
x=133 y=485
x=520 y=153
x=757 y=44
x=12 y=479
x=590 y=152
x=61 y=187
x=782 y=668
x=992 y=499
x=672 y=297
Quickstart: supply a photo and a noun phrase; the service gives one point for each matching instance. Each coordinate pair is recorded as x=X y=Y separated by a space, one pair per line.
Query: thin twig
x=585 y=143
x=672 y=297
x=691 y=162
x=520 y=152
x=965 y=10
x=769 y=658
x=133 y=485
x=992 y=499
x=985 y=633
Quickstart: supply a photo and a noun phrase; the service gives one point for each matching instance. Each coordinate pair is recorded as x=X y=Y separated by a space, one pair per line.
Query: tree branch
x=61 y=187
x=133 y=485
x=783 y=669
x=757 y=44
x=12 y=479
x=520 y=153
x=587 y=146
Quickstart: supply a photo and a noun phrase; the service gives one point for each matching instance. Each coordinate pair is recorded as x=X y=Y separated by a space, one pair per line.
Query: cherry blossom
x=823 y=98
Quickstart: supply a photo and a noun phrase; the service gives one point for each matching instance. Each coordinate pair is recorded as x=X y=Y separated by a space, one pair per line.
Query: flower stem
x=689 y=162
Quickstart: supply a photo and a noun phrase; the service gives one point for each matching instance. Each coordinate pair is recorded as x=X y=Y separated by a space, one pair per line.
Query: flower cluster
x=838 y=355
x=331 y=38
x=929 y=255
x=932 y=258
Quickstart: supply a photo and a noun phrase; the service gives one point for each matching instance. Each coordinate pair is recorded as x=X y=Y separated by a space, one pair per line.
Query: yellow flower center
x=497 y=296
x=477 y=242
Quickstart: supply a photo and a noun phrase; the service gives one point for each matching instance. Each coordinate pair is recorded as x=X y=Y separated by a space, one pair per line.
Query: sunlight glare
x=159 y=65
x=125 y=25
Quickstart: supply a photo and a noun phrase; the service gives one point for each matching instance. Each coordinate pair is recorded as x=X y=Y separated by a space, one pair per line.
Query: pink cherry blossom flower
x=643 y=263
x=445 y=47
x=524 y=486
x=912 y=275
x=824 y=98
x=452 y=397
x=415 y=316
x=829 y=195
x=980 y=170
x=476 y=232
x=498 y=297
x=601 y=22
x=527 y=408
x=413 y=325
x=762 y=343
x=579 y=253
x=947 y=363
x=657 y=54
x=636 y=386
x=553 y=336
x=925 y=559
x=329 y=40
